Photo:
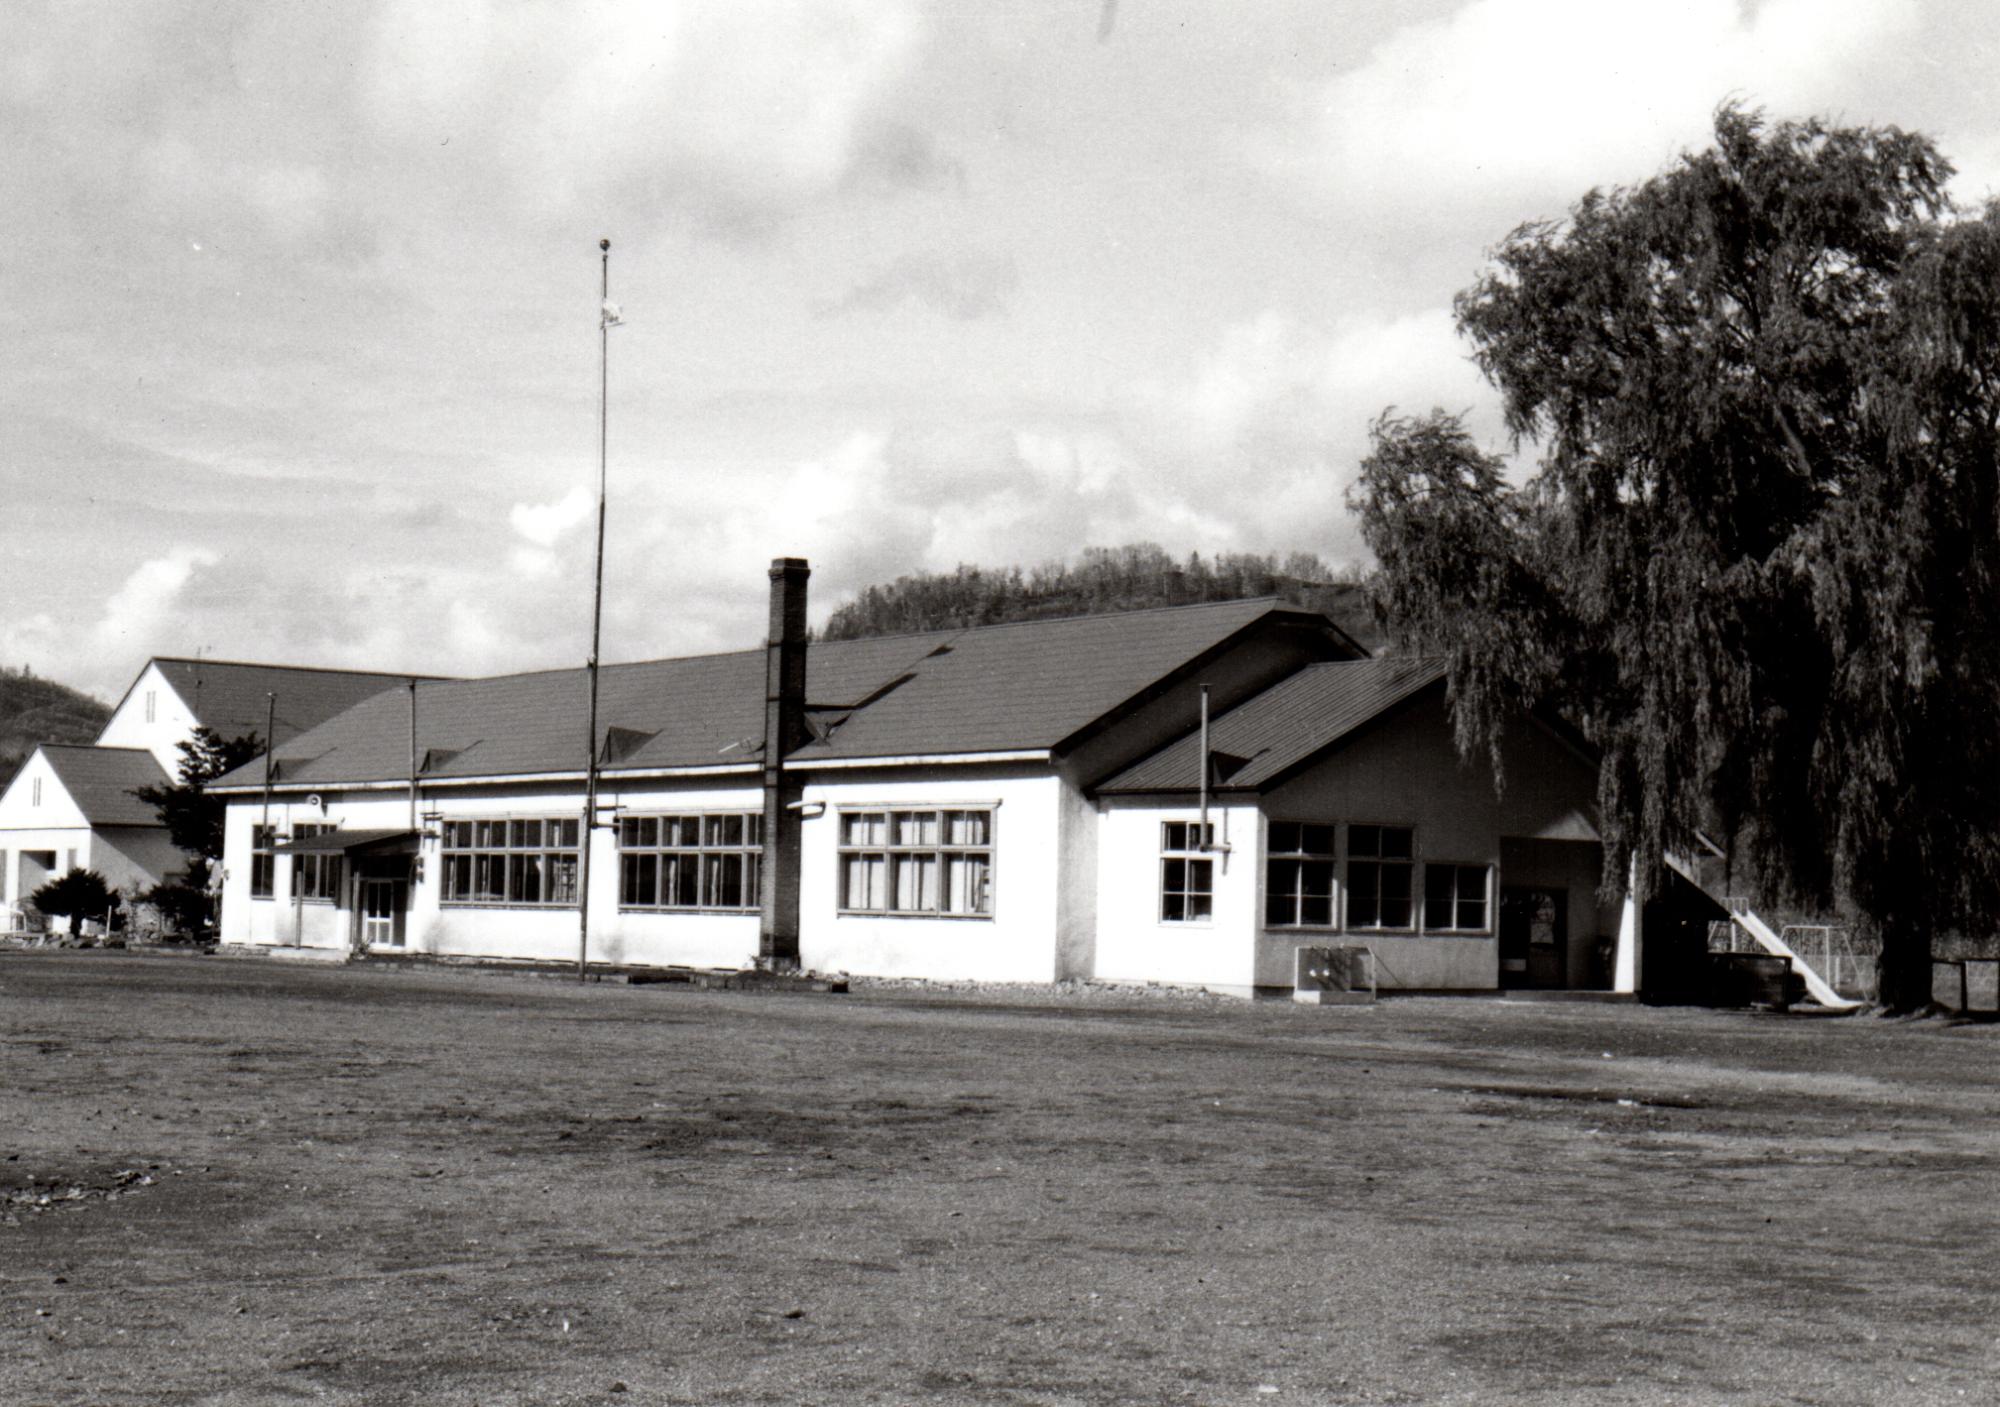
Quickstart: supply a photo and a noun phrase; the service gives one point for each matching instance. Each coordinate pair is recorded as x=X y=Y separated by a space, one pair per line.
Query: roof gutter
x=489 y=779
x=921 y=759
x=732 y=769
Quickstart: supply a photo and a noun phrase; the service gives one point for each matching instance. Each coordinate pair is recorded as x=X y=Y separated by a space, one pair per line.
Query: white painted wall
x=65 y=847
x=172 y=723
x=435 y=928
x=1133 y=943
x=37 y=800
x=50 y=826
x=1076 y=883
x=1403 y=772
x=1016 y=944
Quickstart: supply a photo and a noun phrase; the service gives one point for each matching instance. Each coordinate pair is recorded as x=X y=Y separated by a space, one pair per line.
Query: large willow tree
x=1757 y=557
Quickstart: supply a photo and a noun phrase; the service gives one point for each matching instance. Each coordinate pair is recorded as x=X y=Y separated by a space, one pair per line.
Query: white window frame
x=889 y=847
x=707 y=849
x=483 y=852
x=1193 y=846
x=1330 y=857
x=1349 y=890
x=1459 y=868
x=263 y=861
x=323 y=865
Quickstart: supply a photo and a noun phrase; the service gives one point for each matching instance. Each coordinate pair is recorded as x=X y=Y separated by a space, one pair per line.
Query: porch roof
x=338 y=842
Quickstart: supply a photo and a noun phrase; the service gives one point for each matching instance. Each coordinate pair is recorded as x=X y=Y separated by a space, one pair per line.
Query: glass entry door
x=382 y=904
x=1534 y=937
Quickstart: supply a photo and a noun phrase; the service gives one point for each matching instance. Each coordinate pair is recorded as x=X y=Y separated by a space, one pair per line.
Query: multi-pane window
x=917 y=862
x=1455 y=898
x=263 y=860
x=1298 y=876
x=315 y=875
x=1187 y=874
x=1381 y=863
x=527 y=862
x=689 y=862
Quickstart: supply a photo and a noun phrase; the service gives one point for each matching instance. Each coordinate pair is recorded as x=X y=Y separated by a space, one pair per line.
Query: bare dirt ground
x=248 y=1183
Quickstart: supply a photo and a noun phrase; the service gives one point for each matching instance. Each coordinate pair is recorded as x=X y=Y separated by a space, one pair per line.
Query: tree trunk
x=1903 y=970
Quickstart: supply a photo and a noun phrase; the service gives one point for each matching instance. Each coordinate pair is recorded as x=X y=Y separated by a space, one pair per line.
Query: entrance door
x=382 y=904
x=1534 y=937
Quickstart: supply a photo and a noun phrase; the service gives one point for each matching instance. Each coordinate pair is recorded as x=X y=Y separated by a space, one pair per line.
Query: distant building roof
x=997 y=688
x=234 y=698
x=1262 y=740
x=100 y=781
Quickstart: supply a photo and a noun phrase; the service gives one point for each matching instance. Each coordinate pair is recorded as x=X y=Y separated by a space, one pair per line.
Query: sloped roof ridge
x=1428 y=657
x=1061 y=620
x=580 y=668
x=205 y=661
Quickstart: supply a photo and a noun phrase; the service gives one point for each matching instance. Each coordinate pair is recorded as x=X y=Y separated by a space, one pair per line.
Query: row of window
x=313 y=876
x=530 y=863
x=1299 y=880
x=920 y=861
x=936 y=861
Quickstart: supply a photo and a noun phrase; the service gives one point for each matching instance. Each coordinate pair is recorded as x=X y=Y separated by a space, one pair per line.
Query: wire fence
x=1843 y=960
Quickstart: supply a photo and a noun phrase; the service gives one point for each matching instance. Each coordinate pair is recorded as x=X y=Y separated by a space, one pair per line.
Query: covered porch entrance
x=374 y=894
x=1553 y=934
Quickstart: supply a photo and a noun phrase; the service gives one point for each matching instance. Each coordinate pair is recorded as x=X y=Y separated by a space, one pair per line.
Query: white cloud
x=1269 y=428
x=965 y=286
x=140 y=613
x=1528 y=103
x=543 y=523
x=748 y=106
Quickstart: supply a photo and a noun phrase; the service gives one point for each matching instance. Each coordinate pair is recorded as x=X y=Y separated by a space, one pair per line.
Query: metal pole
x=270 y=727
x=1202 y=841
x=596 y=610
x=413 y=754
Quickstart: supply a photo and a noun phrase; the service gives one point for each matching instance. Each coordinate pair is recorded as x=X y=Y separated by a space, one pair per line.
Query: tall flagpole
x=604 y=316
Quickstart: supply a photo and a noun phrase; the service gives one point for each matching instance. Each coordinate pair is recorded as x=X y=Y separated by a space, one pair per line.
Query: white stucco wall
x=1017 y=943
x=173 y=721
x=461 y=930
x=50 y=826
x=1403 y=772
x=21 y=858
x=1133 y=943
x=25 y=806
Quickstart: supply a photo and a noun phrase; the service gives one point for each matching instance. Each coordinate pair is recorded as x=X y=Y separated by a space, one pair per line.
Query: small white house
x=72 y=806
x=1019 y=802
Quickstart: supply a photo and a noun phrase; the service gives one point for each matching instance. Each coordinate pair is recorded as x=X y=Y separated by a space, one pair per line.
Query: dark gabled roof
x=235 y=698
x=1028 y=684
x=1264 y=739
x=100 y=781
x=999 y=688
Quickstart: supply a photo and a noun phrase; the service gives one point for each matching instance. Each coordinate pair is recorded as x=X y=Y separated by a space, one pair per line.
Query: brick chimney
x=784 y=732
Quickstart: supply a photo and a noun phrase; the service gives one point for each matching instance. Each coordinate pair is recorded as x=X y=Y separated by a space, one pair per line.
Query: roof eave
x=1186 y=670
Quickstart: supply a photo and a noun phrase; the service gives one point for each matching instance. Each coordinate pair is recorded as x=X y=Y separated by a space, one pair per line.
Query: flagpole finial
x=605 y=245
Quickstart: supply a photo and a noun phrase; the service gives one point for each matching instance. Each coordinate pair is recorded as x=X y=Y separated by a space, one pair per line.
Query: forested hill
x=1106 y=579
x=36 y=710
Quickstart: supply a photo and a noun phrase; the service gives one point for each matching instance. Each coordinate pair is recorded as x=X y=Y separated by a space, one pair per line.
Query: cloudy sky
x=299 y=302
